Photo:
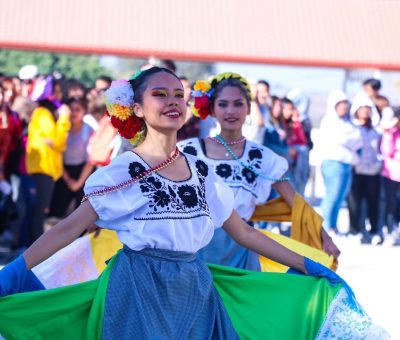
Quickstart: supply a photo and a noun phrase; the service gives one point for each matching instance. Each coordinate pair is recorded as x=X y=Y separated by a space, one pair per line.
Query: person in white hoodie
x=341 y=141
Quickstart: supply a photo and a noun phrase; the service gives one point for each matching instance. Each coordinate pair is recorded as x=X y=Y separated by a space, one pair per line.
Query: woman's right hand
x=64 y=110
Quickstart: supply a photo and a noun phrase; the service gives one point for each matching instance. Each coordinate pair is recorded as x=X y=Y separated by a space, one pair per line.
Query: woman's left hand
x=329 y=246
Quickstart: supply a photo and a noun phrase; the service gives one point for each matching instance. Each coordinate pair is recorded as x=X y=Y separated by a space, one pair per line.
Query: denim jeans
x=337 y=179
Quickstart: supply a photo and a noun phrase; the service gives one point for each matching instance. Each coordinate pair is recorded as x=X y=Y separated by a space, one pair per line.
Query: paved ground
x=373 y=273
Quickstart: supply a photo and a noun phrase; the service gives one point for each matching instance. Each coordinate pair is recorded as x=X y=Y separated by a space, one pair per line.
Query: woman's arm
x=287 y=192
x=59 y=236
x=252 y=239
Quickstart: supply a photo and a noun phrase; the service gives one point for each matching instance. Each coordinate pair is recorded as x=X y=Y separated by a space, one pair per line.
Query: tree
x=85 y=68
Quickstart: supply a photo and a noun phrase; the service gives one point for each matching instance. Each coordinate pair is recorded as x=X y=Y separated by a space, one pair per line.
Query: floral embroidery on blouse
x=171 y=199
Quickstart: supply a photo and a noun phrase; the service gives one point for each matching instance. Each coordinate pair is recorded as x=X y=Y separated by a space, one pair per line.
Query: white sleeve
x=273 y=167
x=113 y=205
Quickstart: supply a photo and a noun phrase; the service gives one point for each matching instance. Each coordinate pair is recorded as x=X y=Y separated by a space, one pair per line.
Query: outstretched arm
x=252 y=239
x=59 y=236
x=287 y=192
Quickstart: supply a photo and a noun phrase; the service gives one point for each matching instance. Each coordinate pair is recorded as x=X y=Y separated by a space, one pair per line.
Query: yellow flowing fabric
x=305 y=231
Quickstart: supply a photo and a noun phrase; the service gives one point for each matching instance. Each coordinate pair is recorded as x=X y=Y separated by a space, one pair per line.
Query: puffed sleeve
x=220 y=198
x=113 y=207
x=273 y=167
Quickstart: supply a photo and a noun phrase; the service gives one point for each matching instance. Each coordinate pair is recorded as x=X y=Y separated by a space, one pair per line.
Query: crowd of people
x=165 y=201
x=55 y=132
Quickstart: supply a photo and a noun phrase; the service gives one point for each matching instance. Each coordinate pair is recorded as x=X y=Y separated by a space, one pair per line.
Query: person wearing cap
x=47 y=139
x=390 y=148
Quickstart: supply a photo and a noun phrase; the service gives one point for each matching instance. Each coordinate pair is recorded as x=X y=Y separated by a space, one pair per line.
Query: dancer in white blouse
x=250 y=169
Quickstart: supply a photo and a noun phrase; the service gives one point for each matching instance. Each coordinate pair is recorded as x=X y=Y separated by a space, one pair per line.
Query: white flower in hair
x=119 y=93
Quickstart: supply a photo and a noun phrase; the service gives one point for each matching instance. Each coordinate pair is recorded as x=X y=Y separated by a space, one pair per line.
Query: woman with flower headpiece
x=250 y=169
x=164 y=206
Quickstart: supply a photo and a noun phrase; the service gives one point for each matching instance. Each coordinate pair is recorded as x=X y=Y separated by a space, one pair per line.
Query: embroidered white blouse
x=157 y=212
x=249 y=188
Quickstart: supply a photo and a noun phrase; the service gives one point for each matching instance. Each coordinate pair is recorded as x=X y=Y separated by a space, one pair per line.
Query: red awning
x=341 y=33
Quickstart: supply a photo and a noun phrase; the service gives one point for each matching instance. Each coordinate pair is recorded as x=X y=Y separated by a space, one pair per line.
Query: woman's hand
x=254 y=240
x=64 y=110
x=329 y=246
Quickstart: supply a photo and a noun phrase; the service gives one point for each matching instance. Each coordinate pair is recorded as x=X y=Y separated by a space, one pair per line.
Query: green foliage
x=85 y=68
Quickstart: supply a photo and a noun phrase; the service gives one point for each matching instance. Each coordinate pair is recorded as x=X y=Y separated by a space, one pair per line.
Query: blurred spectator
x=47 y=137
x=341 y=142
x=367 y=96
x=264 y=99
x=96 y=111
x=168 y=64
x=23 y=182
x=102 y=83
x=192 y=124
x=74 y=89
x=299 y=168
x=254 y=126
x=69 y=188
x=105 y=143
x=390 y=148
x=10 y=129
x=275 y=136
x=366 y=179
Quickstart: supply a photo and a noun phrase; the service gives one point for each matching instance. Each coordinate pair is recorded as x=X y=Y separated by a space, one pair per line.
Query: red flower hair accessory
x=119 y=99
x=202 y=93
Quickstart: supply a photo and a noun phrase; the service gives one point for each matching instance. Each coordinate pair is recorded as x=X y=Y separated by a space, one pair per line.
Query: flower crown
x=119 y=99
x=203 y=91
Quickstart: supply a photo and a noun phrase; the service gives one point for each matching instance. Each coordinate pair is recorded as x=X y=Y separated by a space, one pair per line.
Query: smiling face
x=230 y=108
x=163 y=106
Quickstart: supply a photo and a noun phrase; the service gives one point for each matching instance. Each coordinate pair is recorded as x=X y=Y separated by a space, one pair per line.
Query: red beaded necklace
x=133 y=180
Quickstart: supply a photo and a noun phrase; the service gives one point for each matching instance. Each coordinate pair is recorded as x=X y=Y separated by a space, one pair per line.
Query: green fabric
x=72 y=312
x=261 y=306
x=274 y=305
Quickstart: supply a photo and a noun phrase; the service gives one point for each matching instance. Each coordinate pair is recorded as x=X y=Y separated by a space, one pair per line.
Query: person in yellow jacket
x=47 y=137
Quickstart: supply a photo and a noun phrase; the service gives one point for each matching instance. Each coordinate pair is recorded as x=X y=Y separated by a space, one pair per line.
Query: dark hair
x=77 y=100
x=49 y=105
x=73 y=84
x=168 y=64
x=219 y=86
x=184 y=78
x=374 y=83
x=275 y=99
x=139 y=84
x=105 y=78
x=342 y=101
x=287 y=101
x=264 y=82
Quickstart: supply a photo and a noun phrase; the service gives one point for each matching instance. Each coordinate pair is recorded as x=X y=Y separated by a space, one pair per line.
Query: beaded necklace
x=133 y=180
x=240 y=140
x=216 y=140
x=249 y=167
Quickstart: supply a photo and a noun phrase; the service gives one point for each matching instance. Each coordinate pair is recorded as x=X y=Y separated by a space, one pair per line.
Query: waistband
x=162 y=254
